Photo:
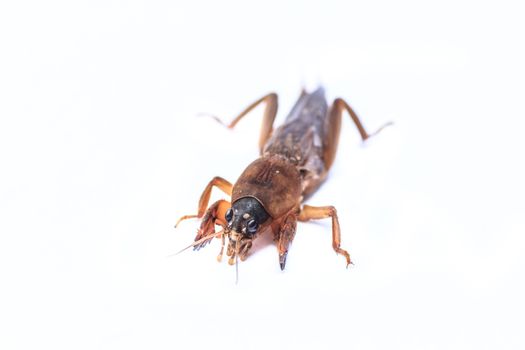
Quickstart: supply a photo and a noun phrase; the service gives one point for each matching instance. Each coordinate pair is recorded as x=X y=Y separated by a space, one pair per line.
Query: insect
x=267 y=198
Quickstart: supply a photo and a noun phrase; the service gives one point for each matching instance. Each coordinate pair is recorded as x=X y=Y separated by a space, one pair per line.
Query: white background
x=101 y=152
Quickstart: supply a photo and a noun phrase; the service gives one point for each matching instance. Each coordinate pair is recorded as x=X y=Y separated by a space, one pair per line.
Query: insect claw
x=282 y=260
x=349 y=262
x=214 y=117
x=380 y=128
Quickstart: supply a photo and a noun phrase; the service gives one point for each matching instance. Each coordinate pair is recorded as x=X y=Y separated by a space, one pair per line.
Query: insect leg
x=314 y=213
x=334 y=128
x=340 y=105
x=217 y=181
x=213 y=216
x=270 y=111
x=285 y=237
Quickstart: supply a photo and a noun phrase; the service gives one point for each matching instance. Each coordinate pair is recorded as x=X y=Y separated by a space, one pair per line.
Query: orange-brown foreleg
x=315 y=213
x=213 y=216
x=217 y=181
x=285 y=237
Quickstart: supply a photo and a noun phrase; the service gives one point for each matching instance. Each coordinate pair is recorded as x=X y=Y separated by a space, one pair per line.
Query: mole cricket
x=268 y=196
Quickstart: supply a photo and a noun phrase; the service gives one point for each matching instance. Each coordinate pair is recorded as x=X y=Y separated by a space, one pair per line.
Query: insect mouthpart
x=235 y=236
x=238 y=246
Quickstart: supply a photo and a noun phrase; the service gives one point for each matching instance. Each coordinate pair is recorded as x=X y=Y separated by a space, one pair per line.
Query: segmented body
x=292 y=163
x=301 y=139
x=268 y=195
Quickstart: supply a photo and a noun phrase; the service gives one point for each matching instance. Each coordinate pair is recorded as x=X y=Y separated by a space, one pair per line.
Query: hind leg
x=315 y=213
x=334 y=128
x=270 y=111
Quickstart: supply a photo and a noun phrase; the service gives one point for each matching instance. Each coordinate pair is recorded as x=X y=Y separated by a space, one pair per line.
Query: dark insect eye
x=229 y=215
x=252 y=226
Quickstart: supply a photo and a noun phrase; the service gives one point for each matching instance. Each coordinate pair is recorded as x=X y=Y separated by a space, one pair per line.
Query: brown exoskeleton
x=295 y=159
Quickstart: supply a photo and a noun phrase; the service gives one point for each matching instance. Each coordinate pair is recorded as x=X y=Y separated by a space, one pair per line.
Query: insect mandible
x=267 y=198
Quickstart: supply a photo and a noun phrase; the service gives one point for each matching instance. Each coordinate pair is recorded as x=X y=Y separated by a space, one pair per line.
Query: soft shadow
x=263 y=241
